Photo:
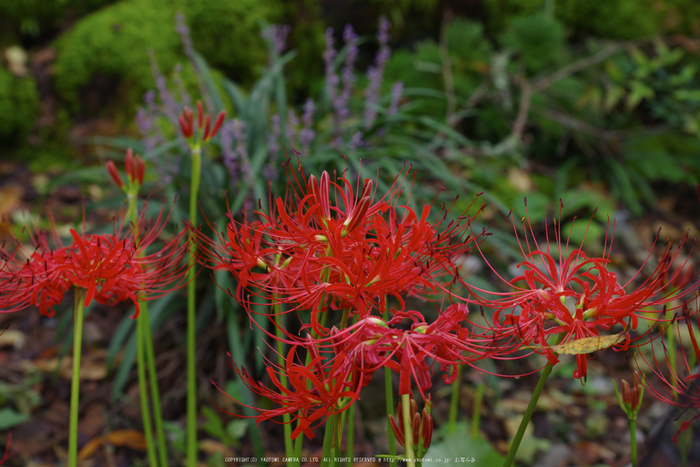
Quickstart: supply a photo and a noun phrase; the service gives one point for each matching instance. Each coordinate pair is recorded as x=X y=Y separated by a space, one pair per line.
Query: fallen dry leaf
x=12 y=337
x=130 y=438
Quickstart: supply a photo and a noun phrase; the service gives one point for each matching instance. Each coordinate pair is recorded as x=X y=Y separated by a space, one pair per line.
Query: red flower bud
x=207 y=125
x=185 y=126
x=129 y=164
x=217 y=123
x=112 y=170
x=140 y=169
x=200 y=114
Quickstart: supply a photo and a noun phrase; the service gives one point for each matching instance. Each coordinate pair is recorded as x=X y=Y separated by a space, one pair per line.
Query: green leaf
x=9 y=418
x=460 y=446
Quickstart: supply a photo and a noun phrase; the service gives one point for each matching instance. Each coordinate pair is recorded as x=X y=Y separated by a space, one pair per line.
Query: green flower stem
x=144 y=335
x=350 y=451
x=633 y=440
x=143 y=392
x=288 y=447
x=528 y=415
x=476 y=416
x=78 y=312
x=408 y=430
x=389 y=394
x=155 y=391
x=454 y=401
x=191 y=323
x=327 y=455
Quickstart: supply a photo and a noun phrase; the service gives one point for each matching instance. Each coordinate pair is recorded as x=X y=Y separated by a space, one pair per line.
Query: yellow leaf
x=587 y=344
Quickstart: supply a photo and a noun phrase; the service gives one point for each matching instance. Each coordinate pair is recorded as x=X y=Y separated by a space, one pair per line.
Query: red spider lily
x=313 y=392
x=110 y=267
x=678 y=387
x=570 y=294
x=316 y=256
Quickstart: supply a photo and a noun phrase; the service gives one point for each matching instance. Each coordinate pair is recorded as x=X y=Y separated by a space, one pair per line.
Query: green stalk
x=288 y=447
x=528 y=415
x=191 y=323
x=78 y=312
x=408 y=430
x=454 y=401
x=155 y=391
x=350 y=451
x=143 y=393
x=144 y=334
x=476 y=416
x=389 y=394
x=633 y=440
x=327 y=457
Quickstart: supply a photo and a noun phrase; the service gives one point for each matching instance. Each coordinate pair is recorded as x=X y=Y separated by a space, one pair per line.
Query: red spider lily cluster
x=565 y=292
x=330 y=248
x=110 y=267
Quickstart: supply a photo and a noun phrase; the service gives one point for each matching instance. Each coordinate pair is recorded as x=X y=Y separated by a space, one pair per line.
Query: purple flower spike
x=375 y=73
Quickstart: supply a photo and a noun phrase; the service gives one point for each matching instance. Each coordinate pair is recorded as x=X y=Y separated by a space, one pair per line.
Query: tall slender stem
x=327 y=455
x=454 y=401
x=155 y=391
x=528 y=415
x=633 y=441
x=408 y=430
x=389 y=394
x=143 y=393
x=350 y=451
x=476 y=415
x=288 y=446
x=191 y=322
x=78 y=312
x=144 y=335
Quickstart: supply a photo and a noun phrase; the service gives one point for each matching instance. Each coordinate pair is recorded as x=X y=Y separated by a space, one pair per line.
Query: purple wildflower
x=227 y=151
x=170 y=106
x=375 y=73
x=356 y=141
x=341 y=104
x=396 y=91
x=329 y=54
x=291 y=128
x=273 y=139
x=238 y=129
x=184 y=31
x=307 y=134
x=185 y=99
x=277 y=35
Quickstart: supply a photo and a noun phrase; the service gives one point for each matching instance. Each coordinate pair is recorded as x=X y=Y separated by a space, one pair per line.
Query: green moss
x=19 y=104
x=227 y=33
x=113 y=43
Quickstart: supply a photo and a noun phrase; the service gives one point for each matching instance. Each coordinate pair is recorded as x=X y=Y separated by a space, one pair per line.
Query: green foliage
x=227 y=33
x=35 y=17
x=538 y=39
x=19 y=104
x=623 y=19
x=619 y=19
